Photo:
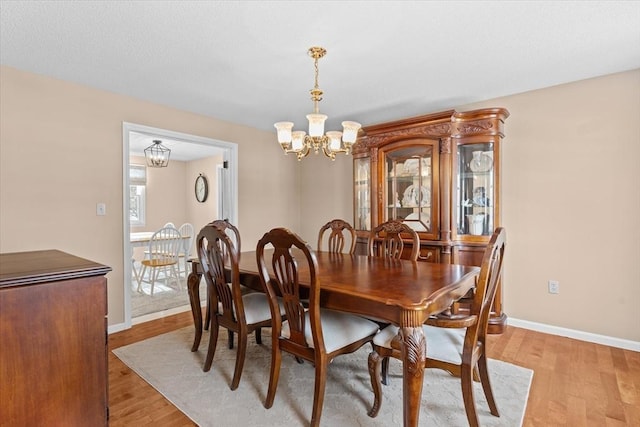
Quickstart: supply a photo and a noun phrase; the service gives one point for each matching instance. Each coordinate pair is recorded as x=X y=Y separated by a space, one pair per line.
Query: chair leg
x=213 y=341
x=185 y=271
x=274 y=375
x=375 y=376
x=385 y=371
x=207 y=317
x=141 y=277
x=135 y=271
x=259 y=336
x=466 y=377
x=153 y=279
x=240 y=355
x=230 y=335
x=486 y=385
x=318 y=392
x=476 y=374
x=176 y=276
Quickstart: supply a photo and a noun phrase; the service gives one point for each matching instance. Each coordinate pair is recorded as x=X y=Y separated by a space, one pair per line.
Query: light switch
x=101 y=209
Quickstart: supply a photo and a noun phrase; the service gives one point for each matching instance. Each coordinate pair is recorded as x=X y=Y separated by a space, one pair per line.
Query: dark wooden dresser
x=53 y=336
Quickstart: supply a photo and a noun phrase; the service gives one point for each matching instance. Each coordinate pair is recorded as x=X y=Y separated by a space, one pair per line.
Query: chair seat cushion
x=444 y=344
x=159 y=262
x=338 y=329
x=256 y=307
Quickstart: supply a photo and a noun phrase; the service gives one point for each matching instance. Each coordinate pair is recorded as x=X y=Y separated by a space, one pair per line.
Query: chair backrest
x=336 y=241
x=216 y=251
x=165 y=245
x=169 y=224
x=185 y=230
x=386 y=240
x=231 y=230
x=487 y=284
x=286 y=246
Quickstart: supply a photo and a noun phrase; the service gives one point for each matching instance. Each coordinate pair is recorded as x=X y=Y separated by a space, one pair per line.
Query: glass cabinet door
x=362 y=192
x=407 y=179
x=475 y=189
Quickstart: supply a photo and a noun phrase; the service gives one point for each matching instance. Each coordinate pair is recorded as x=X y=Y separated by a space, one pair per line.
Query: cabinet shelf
x=475 y=174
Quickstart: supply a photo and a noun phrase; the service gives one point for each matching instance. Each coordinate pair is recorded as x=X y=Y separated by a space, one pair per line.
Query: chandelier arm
x=329 y=153
x=303 y=153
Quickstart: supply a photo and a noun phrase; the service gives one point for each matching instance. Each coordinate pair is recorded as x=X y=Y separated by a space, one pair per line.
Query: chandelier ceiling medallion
x=157 y=155
x=332 y=142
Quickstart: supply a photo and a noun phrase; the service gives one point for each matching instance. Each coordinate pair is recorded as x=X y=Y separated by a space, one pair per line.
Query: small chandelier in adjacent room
x=157 y=155
x=332 y=142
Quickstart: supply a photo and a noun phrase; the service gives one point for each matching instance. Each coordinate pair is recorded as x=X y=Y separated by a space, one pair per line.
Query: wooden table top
x=362 y=284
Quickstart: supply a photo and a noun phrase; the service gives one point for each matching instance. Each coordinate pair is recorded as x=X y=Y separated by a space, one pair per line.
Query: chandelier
x=157 y=155
x=332 y=142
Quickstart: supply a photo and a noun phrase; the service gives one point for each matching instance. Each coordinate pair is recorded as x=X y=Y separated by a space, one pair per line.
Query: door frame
x=230 y=154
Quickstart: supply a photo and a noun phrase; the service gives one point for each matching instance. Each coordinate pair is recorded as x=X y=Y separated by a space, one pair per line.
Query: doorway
x=190 y=153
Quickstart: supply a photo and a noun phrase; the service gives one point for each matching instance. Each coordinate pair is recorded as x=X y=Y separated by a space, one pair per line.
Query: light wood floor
x=575 y=383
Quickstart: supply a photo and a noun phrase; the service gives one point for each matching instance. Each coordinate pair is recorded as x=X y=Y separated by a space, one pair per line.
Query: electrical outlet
x=101 y=209
x=554 y=287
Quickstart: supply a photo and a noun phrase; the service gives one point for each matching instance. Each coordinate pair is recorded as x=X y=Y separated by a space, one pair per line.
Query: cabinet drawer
x=429 y=254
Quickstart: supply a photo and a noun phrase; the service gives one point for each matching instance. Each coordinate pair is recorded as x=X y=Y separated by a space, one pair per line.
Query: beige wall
x=571 y=197
x=61 y=153
x=571 y=192
x=326 y=192
x=199 y=214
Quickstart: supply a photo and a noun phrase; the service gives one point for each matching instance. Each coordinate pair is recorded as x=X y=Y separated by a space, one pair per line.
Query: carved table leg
x=414 y=351
x=193 y=287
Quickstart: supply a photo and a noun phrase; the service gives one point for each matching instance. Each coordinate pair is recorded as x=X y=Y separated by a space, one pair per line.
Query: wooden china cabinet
x=440 y=174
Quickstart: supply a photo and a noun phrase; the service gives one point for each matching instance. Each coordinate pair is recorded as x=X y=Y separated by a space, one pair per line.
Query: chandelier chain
x=316 y=92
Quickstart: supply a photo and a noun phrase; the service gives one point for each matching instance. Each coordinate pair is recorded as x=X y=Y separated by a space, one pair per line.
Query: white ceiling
x=246 y=61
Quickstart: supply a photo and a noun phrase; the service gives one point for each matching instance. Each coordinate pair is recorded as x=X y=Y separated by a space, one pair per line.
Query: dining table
x=140 y=238
x=401 y=292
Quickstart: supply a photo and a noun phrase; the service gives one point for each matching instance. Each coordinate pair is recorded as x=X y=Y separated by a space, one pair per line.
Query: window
x=137 y=201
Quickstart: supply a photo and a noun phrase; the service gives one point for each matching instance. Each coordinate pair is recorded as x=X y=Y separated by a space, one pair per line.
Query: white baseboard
x=572 y=333
x=116 y=328
x=160 y=314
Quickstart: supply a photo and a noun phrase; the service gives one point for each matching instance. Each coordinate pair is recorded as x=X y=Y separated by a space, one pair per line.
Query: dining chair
x=242 y=314
x=457 y=345
x=146 y=252
x=314 y=334
x=187 y=230
x=162 y=254
x=386 y=240
x=234 y=234
x=336 y=239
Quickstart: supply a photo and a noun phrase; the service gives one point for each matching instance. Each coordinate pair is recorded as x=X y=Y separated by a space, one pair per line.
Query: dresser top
x=24 y=268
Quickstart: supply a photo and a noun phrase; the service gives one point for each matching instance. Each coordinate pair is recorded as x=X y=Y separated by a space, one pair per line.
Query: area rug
x=167 y=363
